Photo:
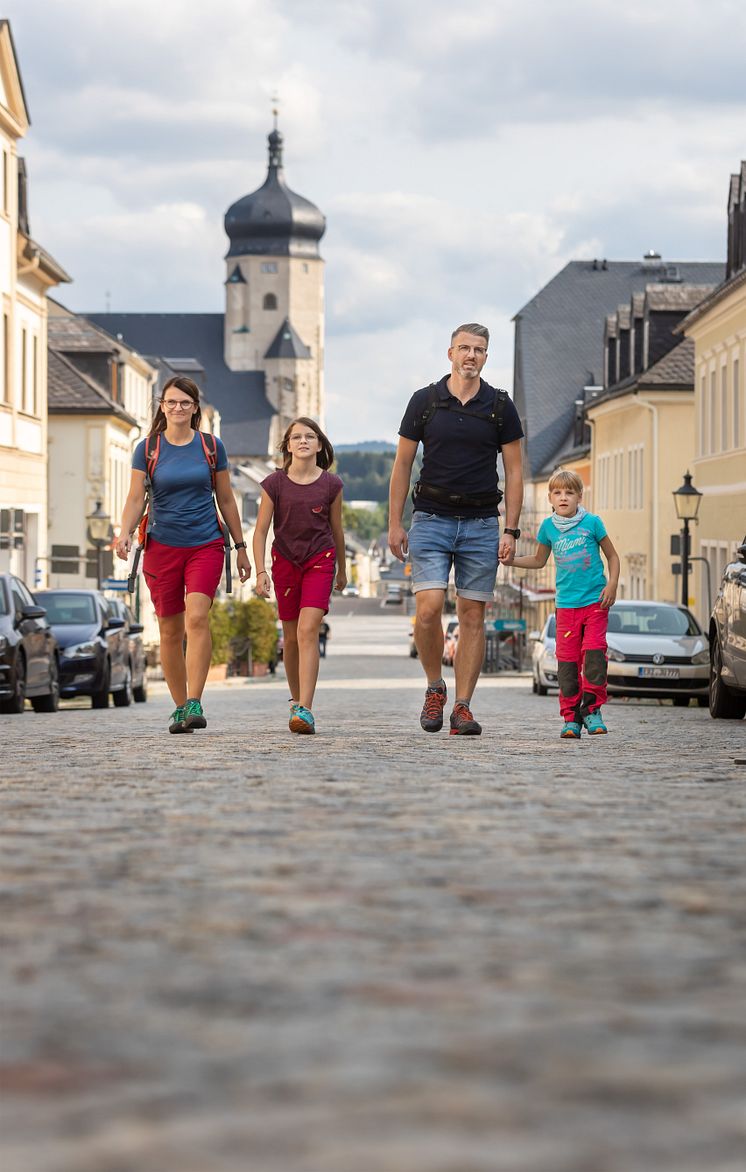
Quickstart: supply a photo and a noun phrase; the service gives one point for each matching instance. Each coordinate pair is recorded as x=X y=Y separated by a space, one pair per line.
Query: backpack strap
x=498 y=410
x=431 y=405
x=210 y=448
x=152 y=452
x=495 y=416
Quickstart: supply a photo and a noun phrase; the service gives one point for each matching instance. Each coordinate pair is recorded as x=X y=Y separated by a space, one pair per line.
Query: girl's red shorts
x=172 y=572
x=306 y=585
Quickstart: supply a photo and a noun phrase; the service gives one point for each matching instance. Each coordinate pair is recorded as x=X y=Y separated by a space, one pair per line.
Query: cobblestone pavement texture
x=372 y=950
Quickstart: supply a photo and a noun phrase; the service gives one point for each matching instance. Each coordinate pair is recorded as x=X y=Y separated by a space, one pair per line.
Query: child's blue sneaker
x=594 y=724
x=571 y=731
x=301 y=719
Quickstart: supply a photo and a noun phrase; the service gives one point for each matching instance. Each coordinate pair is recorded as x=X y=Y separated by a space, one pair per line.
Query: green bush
x=253 y=618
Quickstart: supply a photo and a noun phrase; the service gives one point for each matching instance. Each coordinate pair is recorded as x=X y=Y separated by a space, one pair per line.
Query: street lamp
x=99 y=534
x=687 y=499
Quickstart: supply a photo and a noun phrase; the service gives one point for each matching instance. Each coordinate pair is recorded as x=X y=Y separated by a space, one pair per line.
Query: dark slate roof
x=239 y=396
x=678 y=297
x=70 y=392
x=716 y=295
x=274 y=221
x=674 y=371
x=236 y=277
x=74 y=333
x=559 y=337
x=287 y=344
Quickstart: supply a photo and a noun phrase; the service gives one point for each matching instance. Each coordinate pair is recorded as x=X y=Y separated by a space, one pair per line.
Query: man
x=462 y=423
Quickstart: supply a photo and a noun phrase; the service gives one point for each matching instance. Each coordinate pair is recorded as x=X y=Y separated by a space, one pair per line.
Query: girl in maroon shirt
x=303 y=501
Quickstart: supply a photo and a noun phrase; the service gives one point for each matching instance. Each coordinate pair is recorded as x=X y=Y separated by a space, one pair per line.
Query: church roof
x=274 y=221
x=287 y=344
x=245 y=413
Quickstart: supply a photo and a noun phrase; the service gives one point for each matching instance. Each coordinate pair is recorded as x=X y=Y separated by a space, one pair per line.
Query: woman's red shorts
x=172 y=572
x=306 y=585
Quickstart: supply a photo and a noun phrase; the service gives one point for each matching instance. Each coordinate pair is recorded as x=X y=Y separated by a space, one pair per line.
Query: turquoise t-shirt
x=183 y=508
x=579 y=570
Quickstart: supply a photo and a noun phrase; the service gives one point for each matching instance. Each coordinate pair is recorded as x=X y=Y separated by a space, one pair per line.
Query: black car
x=138 y=659
x=728 y=642
x=94 y=647
x=28 y=651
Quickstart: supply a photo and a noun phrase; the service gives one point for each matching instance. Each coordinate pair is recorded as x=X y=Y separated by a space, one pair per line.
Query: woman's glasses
x=178 y=404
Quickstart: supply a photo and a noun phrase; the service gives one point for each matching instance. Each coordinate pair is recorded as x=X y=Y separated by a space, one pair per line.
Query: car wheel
x=123 y=698
x=100 y=699
x=681 y=701
x=534 y=685
x=50 y=702
x=17 y=702
x=140 y=693
x=724 y=704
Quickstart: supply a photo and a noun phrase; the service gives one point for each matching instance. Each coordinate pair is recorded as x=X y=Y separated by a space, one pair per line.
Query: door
x=33 y=636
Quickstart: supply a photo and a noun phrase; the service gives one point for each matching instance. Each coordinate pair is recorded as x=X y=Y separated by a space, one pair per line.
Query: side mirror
x=136 y=628
x=33 y=612
x=115 y=624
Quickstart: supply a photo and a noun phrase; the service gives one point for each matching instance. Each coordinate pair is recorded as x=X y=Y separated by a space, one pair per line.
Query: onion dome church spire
x=274 y=221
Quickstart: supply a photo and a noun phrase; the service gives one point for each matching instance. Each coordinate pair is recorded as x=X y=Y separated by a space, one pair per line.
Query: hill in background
x=366 y=446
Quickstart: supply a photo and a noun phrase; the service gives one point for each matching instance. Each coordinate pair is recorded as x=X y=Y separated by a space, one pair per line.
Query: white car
x=543 y=658
x=657 y=649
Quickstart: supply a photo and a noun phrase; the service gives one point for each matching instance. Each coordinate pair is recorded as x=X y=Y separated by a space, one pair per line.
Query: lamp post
x=687 y=499
x=99 y=535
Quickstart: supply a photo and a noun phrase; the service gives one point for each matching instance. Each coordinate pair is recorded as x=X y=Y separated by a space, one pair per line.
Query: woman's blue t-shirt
x=579 y=570
x=183 y=509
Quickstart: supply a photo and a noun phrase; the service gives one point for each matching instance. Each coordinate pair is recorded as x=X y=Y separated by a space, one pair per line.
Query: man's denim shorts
x=469 y=544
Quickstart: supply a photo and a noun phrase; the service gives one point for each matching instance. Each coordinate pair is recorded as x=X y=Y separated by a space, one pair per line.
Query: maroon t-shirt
x=301 y=518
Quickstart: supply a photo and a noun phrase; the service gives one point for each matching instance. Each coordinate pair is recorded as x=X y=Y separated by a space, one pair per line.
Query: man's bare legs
x=428 y=632
x=470 y=651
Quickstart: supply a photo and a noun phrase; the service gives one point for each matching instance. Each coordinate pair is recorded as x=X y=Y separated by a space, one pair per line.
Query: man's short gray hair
x=472 y=327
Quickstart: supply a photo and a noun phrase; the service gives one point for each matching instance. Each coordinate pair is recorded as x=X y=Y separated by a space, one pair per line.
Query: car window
x=20 y=592
x=68 y=609
x=552 y=628
x=628 y=619
x=4 y=608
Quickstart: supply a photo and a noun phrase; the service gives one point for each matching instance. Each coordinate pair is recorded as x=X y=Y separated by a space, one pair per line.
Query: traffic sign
x=510 y=624
x=115 y=584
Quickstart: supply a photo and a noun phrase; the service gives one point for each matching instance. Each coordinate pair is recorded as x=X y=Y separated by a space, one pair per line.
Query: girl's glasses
x=295 y=439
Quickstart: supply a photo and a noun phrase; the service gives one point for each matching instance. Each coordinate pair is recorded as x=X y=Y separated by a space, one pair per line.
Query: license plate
x=659 y=673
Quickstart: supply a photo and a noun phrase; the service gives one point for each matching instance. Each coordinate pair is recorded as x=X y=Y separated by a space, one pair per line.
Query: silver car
x=728 y=642
x=657 y=649
x=543 y=658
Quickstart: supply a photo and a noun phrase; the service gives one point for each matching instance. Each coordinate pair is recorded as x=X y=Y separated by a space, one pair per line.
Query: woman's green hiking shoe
x=194 y=717
x=177 y=721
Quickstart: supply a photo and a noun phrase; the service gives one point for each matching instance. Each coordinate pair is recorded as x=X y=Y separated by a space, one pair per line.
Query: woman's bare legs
x=199 y=643
x=172 y=656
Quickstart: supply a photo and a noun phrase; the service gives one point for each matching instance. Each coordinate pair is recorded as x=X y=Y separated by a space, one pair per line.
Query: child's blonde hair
x=563 y=478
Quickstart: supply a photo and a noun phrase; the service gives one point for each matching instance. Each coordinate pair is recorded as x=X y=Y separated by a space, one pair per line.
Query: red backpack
x=152 y=452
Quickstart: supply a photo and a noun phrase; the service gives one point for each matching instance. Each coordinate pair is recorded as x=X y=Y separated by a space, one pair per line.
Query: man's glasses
x=178 y=404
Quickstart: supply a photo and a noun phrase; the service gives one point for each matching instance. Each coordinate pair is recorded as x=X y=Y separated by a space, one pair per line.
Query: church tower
x=274 y=290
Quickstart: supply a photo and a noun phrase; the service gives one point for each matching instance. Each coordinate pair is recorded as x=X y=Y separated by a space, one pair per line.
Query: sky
x=461 y=157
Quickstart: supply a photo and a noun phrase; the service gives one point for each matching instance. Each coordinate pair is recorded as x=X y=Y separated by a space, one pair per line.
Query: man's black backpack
x=494 y=419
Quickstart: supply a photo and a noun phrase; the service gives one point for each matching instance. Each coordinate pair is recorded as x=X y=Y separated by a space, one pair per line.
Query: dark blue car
x=94 y=646
x=28 y=651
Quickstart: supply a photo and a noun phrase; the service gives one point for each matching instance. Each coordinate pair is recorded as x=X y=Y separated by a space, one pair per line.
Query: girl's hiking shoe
x=431 y=717
x=594 y=724
x=301 y=720
x=177 y=721
x=194 y=717
x=463 y=723
x=571 y=731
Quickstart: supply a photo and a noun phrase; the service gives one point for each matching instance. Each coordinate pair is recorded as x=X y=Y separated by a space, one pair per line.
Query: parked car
x=138 y=659
x=543 y=658
x=94 y=647
x=29 y=666
x=657 y=649
x=450 y=642
x=394 y=594
x=728 y=642
x=351 y=591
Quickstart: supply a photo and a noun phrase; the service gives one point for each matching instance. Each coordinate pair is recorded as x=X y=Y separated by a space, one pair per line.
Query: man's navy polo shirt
x=460 y=448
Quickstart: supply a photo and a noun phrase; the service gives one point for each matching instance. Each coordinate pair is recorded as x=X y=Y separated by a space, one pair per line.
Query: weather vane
x=275 y=107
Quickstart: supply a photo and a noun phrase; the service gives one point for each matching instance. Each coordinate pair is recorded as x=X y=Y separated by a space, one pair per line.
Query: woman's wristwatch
x=240 y=545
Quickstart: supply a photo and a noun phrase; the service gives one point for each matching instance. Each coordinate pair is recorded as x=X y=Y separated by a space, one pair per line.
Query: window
x=35 y=377
x=24 y=373
x=5 y=389
x=5 y=181
x=736 y=403
x=724 y=408
x=269 y=266
x=270 y=301
x=713 y=412
x=703 y=415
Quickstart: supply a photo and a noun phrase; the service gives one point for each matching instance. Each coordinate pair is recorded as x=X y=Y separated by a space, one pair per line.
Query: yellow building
x=27 y=272
x=717 y=329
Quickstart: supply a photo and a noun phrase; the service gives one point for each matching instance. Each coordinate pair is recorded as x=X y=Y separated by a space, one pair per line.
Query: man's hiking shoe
x=301 y=720
x=177 y=721
x=431 y=717
x=594 y=724
x=463 y=723
x=570 y=731
x=194 y=717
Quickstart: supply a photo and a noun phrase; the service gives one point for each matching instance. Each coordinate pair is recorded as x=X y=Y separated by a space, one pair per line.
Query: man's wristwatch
x=513 y=532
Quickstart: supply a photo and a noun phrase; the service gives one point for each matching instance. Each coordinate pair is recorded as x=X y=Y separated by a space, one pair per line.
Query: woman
x=184 y=552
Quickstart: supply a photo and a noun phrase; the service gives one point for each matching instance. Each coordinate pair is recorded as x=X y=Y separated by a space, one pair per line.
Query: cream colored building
x=27 y=272
x=717 y=329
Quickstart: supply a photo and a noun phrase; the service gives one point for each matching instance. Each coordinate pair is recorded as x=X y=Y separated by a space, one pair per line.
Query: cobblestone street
x=372 y=950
